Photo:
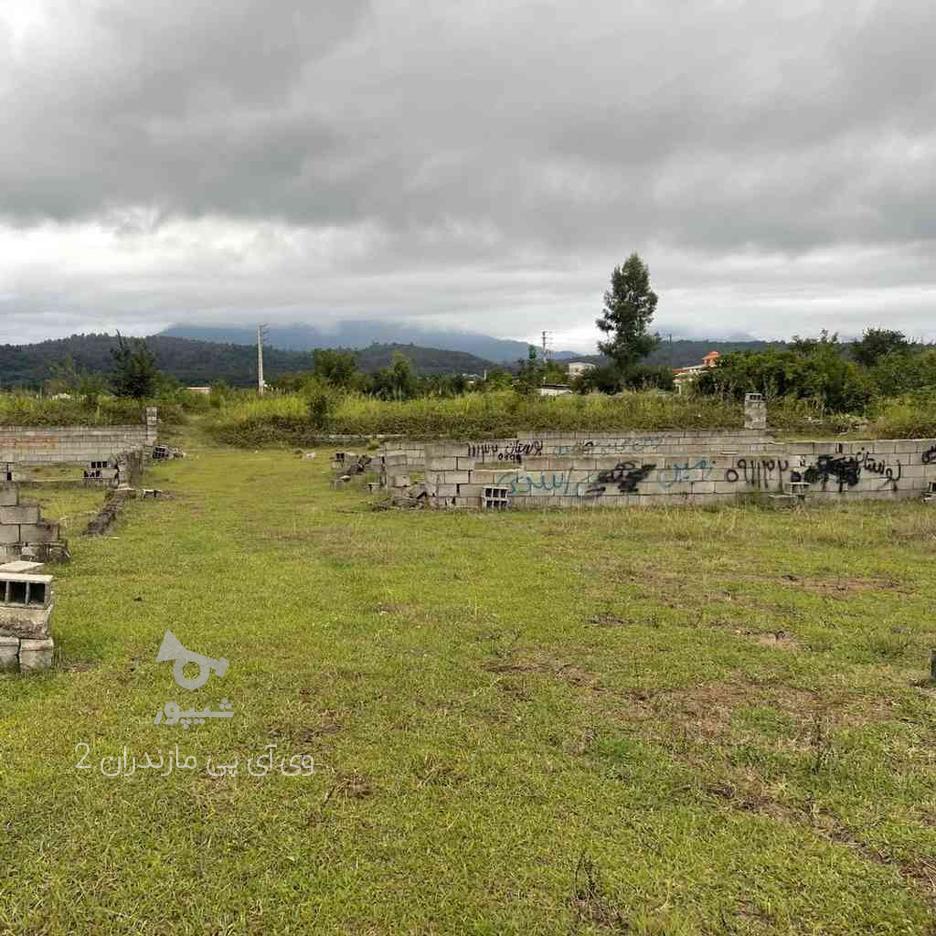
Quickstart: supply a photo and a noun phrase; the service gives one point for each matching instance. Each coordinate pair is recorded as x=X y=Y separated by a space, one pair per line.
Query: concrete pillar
x=755 y=411
x=152 y=423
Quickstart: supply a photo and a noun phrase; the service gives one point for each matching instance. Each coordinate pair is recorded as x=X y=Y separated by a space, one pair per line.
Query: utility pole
x=546 y=337
x=261 y=334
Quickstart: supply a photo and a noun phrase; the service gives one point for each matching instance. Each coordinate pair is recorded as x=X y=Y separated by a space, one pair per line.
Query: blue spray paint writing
x=552 y=482
x=682 y=471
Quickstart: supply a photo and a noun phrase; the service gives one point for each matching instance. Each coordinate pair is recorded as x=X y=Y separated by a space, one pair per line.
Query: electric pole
x=261 y=335
x=546 y=338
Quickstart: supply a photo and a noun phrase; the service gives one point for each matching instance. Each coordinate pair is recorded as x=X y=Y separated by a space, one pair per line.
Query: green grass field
x=660 y=721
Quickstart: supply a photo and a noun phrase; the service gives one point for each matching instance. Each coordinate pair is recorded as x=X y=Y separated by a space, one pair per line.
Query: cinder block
x=456 y=477
x=9 y=495
x=728 y=487
x=35 y=655
x=446 y=490
x=492 y=476
x=24 y=513
x=444 y=463
x=703 y=487
x=39 y=532
x=9 y=533
x=884 y=446
x=9 y=653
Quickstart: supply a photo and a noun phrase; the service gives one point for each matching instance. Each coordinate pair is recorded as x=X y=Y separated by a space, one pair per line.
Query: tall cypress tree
x=628 y=310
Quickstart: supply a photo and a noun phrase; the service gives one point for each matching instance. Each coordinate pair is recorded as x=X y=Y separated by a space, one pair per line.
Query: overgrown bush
x=287 y=419
x=24 y=409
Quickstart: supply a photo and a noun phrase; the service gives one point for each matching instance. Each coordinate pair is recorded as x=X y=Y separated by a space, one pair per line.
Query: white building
x=578 y=368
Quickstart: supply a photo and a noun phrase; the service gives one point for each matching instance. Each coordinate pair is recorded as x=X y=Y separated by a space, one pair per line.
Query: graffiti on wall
x=592 y=447
x=685 y=471
x=557 y=483
x=758 y=472
x=929 y=456
x=625 y=474
x=843 y=470
x=512 y=451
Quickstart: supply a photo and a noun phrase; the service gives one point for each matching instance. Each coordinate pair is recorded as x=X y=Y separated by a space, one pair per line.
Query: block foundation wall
x=410 y=458
x=709 y=468
x=75 y=444
x=23 y=532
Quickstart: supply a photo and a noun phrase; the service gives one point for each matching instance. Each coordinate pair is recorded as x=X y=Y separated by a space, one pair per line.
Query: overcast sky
x=479 y=165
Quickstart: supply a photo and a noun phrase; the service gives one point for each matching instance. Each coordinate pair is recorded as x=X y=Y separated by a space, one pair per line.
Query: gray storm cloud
x=479 y=164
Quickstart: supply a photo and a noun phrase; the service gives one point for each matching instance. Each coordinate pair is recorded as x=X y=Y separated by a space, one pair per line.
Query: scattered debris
x=163 y=452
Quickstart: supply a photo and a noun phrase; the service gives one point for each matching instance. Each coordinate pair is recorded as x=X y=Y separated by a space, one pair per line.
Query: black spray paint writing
x=513 y=451
x=626 y=475
x=757 y=471
x=929 y=456
x=843 y=469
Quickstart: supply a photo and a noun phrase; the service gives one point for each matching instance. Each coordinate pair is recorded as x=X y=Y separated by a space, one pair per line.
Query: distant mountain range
x=363 y=334
x=194 y=360
x=197 y=363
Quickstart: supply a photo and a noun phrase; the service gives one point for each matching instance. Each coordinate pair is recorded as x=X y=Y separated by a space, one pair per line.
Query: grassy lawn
x=657 y=721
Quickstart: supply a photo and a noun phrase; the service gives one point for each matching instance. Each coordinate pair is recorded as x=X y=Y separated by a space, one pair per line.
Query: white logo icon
x=172 y=649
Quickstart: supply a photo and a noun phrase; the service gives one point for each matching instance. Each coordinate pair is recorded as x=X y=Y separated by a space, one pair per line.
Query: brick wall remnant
x=24 y=534
x=26 y=602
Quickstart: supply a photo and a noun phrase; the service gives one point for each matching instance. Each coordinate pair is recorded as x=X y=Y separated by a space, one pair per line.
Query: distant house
x=204 y=390
x=578 y=368
x=554 y=389
x=683 y=376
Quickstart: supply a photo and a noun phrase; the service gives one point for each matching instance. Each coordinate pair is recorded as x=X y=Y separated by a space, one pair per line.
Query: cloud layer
x=479 y=165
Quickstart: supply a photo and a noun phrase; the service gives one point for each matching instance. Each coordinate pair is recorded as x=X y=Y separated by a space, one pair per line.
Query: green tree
x=396 y=382
x=532 y=372
x=875 y=343
x=629 y=306
x=811 y=369
x=135 y=372
x=335 y=367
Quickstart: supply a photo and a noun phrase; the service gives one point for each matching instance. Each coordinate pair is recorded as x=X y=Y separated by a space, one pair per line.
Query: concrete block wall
x=442 y=456
x=39 y=445
x=821 y=470
x=23 y=532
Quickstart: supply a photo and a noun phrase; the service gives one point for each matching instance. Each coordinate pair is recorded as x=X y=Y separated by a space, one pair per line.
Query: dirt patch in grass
x=776 y=640
x=351 y=785
x=841 y=586
x=589 y=901
x=708 y=711
x=747 y=793
x=569 y=673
